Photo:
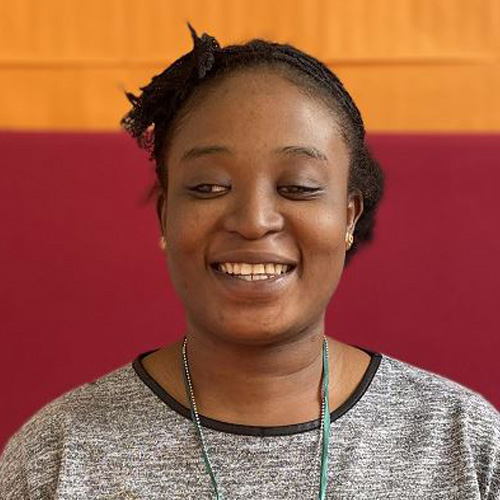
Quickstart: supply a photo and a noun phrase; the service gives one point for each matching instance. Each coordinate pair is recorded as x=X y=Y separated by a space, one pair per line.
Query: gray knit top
x=405 y=433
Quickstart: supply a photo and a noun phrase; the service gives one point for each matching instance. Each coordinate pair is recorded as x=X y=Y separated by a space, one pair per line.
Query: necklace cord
x=195 y=418
x=325 y=421
x=326 y=425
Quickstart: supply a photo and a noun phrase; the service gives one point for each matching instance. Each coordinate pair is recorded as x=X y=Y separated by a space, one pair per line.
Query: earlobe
x=349 y=239
x=354 y=209
x=163 y=243
x=160 y=210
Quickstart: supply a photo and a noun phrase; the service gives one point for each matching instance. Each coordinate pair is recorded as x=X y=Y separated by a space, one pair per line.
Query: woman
x=265 y=191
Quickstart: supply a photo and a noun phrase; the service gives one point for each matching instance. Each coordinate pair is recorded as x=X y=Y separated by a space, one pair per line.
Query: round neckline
x=253 y=430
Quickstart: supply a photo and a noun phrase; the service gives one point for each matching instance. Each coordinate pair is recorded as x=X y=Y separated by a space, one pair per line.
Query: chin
x=253 y=333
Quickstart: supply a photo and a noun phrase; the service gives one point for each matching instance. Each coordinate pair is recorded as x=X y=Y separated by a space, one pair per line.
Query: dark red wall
x=84 y=287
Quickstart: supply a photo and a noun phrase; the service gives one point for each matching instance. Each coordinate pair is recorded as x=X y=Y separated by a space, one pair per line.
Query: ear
x=161 y=207
x=354 y=209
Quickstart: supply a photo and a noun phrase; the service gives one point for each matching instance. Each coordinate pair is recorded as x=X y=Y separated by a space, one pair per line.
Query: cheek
x=186 y=231
x=323 y=242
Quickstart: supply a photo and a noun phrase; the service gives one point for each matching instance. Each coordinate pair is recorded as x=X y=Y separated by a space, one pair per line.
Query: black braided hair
x=156 y=112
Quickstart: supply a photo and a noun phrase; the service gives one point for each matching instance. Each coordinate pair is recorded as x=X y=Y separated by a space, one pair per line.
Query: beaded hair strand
x=154 y=111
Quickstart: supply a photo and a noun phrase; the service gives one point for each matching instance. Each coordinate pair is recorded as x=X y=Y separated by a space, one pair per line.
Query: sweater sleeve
x=13 y=483
x=494 y=483
x=483 y=422
x=30 y=462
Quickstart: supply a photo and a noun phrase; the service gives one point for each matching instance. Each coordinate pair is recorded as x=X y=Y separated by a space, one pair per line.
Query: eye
x=301 y=190
x=207 y=188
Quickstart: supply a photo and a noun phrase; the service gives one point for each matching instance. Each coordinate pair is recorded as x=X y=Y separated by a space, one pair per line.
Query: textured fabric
x=405 y=433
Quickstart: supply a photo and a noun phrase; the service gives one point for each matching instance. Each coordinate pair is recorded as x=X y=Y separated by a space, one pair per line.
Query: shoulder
x=31 y=457
x=95 y=400
x=417 y=387
x=445 y=417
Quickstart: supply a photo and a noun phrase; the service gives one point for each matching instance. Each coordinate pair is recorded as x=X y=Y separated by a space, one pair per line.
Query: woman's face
x=232 y=167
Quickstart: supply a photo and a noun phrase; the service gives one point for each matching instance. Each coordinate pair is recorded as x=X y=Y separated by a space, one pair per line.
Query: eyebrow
x=199 y=151
x=308 y=151
x=292 y=151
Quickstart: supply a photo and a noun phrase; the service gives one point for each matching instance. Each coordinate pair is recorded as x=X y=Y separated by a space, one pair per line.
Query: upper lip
x=253 y=258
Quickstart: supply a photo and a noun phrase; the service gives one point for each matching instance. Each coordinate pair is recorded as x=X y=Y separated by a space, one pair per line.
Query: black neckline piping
x=251 y=430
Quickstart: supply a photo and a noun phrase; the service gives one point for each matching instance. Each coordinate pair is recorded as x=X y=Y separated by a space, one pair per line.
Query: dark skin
x=255 y=357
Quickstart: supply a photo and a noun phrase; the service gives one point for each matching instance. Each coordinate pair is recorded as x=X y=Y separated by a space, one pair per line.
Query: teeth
x=253 y=277
x=258 y=269
x=253 y=271
x=246 y=269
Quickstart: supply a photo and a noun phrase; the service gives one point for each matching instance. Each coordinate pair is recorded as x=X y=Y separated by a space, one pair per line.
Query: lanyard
x=326 y=426
x=325 y=437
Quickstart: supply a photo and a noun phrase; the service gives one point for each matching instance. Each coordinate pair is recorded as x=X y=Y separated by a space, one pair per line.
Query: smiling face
x=232 y=167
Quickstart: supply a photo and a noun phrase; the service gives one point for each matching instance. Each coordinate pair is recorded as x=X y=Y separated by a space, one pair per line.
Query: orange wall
x=411 y=65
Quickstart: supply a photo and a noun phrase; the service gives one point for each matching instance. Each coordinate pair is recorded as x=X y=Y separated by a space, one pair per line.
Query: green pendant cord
x=194 y=418
x=326 y=425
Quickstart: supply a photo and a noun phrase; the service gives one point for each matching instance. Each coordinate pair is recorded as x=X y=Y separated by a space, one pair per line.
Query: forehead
x=254 y=112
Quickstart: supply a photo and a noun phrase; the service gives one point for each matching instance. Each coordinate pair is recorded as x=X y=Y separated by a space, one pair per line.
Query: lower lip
x=254 y=289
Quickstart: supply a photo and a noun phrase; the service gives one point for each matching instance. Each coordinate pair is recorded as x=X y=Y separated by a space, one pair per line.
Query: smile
x=253 y=280
x=252 y=272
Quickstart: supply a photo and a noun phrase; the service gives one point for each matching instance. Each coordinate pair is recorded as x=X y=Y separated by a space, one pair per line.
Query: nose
x=254 y=212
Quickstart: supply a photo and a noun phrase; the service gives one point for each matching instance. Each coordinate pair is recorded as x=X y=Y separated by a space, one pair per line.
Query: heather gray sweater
x=405 y=433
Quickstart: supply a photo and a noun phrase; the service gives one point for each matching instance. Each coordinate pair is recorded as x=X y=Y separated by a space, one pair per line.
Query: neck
x=257 y=385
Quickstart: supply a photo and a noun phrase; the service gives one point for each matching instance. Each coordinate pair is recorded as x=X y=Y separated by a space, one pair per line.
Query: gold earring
x=349 y=238
x=163 y=243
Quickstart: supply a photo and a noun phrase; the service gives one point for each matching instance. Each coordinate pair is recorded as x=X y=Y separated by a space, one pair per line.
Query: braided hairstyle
x=156 y=113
